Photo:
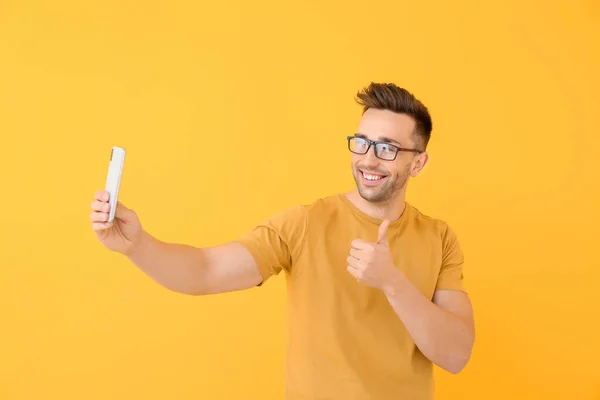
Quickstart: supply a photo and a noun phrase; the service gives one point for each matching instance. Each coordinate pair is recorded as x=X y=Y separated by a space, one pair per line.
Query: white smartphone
x=113 y=180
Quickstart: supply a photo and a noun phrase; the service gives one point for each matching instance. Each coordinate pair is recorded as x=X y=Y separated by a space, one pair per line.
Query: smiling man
x=376 y=290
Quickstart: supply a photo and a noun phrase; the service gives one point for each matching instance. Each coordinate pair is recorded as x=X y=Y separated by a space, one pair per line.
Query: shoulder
x=324 y=205
x=435 y=226
x=440 y=235
x=301 y=215
x=315 y=208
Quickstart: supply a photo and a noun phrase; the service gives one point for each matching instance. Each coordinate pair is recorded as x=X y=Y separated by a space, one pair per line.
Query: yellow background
x=231 y=111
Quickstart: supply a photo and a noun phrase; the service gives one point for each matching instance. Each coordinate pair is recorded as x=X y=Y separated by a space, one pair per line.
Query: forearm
x=441 y=336
x=177 y=267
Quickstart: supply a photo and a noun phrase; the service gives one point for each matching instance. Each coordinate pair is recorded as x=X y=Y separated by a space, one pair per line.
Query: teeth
x=372 y=177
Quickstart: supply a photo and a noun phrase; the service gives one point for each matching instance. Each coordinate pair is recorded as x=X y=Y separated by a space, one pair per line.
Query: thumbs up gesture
x=371 y=263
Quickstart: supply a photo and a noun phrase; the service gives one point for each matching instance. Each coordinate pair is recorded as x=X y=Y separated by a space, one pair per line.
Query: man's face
x=380 y=180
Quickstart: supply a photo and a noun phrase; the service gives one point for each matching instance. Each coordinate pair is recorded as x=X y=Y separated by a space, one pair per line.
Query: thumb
x=382 y=236
x=123 y=212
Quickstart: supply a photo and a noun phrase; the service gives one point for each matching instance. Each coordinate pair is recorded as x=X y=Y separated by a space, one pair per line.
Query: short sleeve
x=451 y=272
x=276 y=242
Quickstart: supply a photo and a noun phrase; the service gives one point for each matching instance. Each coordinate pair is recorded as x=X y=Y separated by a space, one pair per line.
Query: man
x=376 y=289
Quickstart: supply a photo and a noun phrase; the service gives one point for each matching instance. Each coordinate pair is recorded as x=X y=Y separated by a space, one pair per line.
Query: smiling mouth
x=371 y=177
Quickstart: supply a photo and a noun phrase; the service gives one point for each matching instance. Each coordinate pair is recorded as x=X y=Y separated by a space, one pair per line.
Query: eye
x=387 y=148
x=360 y=142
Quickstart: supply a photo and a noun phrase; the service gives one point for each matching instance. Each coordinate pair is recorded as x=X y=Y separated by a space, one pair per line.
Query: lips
x=371 y=178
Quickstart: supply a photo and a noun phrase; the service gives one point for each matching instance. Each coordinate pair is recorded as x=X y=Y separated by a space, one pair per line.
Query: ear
x=419 y=163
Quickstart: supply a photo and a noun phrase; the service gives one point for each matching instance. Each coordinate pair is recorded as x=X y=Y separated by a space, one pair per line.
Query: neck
x=391 y=209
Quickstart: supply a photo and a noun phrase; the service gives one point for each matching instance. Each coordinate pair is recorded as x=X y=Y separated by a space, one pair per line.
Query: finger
x=355 y=262
x=100 y=226
x=102 y=195
x=361 y=244
x=98 y=205
x=98 y=217
x=382 y=236
x=354 y=272
x=356 y=253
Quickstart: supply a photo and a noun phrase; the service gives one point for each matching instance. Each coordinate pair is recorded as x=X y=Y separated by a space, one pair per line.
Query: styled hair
x=388 y=96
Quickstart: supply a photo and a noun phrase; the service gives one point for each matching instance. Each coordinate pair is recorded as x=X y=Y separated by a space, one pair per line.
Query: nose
x=369 y=159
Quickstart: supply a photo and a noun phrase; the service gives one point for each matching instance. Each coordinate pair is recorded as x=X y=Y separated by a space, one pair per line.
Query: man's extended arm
x=196 y=271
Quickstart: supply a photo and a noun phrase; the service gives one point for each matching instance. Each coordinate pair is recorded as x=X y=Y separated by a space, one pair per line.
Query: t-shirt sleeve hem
x=451 y=285
x=265 y=270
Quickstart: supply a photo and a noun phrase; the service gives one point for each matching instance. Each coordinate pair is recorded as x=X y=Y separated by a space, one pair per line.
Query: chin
x=381 y=193
x=375 y=196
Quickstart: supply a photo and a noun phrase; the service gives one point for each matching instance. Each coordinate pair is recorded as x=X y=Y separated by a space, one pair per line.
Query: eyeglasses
x=383 y=150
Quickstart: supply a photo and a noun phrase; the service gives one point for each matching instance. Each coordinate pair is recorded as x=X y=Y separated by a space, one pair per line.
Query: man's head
x=401 y=125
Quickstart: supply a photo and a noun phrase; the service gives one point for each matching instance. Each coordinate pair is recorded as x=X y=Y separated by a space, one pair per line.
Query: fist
x=371 y=263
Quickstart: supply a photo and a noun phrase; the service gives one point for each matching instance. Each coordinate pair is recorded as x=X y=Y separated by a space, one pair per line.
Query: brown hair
x=388 y=96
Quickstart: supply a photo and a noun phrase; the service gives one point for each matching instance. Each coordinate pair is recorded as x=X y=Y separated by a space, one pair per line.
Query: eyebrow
x=381 y=139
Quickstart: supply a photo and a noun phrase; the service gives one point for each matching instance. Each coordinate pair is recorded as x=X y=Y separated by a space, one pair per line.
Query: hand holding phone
x=113 y=179
x=117 y=234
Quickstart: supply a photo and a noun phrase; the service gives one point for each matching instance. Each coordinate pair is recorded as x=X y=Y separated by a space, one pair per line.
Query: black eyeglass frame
x=375 y=143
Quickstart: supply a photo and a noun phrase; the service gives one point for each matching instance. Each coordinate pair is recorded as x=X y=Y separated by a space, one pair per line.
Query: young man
x=376 y=288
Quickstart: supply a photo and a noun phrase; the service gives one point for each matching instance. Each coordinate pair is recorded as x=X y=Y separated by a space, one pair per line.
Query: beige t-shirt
x=345 y=341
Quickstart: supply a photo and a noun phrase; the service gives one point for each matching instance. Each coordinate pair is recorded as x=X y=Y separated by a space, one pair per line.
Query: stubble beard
x=386 y=192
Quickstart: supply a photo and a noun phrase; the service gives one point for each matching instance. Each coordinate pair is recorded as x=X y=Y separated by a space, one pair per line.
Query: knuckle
x=99 y=226
x=95 y=216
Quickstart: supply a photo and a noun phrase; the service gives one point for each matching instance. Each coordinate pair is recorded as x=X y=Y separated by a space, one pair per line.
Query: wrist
x=140 y=245
x=394 y=285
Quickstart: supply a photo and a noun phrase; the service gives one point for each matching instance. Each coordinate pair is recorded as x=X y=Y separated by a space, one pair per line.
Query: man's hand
x=371 y=263
x=442 y=329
